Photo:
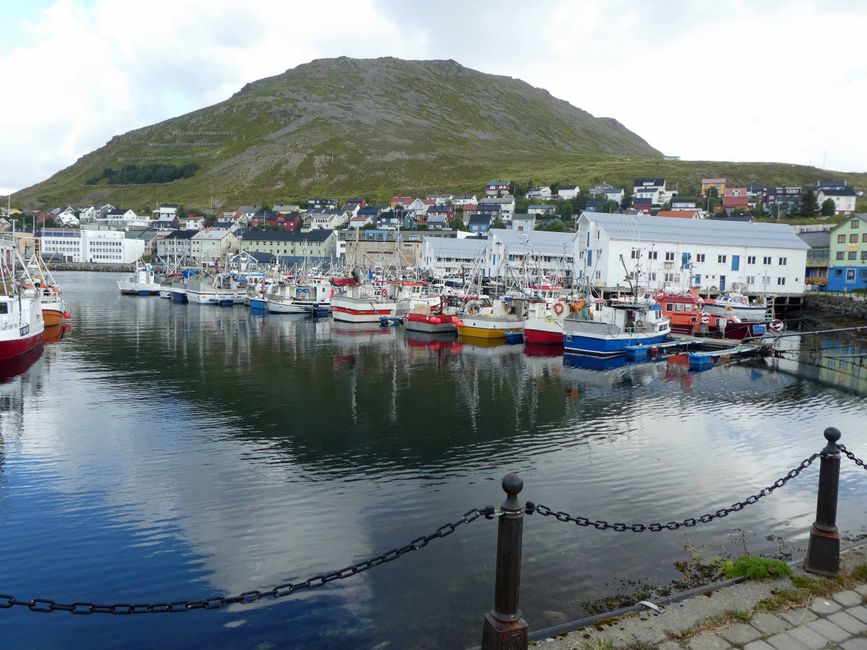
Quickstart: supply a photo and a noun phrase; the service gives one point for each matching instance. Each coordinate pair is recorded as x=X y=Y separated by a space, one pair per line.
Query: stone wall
x=820 y=304
x=86 y=266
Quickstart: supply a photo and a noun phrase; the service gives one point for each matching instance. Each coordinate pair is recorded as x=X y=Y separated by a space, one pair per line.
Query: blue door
x=696 y=280
x=722 y=283
x=736 y=262
x=590 y=258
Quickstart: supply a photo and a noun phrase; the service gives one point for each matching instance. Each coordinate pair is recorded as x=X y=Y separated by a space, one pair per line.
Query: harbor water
x=161 y=452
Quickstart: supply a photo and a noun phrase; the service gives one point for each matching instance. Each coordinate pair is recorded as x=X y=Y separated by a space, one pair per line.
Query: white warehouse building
x=714 y=255
x=505 y=253
x=91 y=245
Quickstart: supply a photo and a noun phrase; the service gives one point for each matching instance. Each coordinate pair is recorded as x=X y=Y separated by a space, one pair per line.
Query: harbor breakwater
x=848 y=306
x=87 y=266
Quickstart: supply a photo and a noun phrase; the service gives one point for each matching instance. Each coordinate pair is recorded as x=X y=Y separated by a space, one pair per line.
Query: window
x=855 y=223
x=635 y=253
x=678 y=307
x=853 y=239
x=652 y=255
x=669 y=277
x=751 y=259
x=863 y=255
x=721 y=259
x=864 y=237
x=852 y=255
x=781 y=281
x=782 y=261
x=669 y=256
x=766 y=260
x=699 y=257
x=668 y=306
x=840 y=255
x=751 y=279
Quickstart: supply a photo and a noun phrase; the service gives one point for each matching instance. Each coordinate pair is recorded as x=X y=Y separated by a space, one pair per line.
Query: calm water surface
x=164 y=451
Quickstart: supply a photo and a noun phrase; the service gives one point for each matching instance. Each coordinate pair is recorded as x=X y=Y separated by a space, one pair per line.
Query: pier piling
x=504 y=628
x=823 y=549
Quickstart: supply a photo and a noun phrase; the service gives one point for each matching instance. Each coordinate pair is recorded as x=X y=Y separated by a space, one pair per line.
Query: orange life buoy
x=383 y=293
x=558 y=308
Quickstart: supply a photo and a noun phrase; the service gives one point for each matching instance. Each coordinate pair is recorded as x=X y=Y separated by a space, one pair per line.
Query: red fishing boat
x=689 y=316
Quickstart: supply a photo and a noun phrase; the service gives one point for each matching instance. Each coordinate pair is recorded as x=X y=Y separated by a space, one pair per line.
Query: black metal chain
x=852 y=457
x=545 y=511
x=46 y=605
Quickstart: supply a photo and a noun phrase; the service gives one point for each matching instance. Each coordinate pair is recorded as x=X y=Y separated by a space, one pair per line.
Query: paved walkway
x=728 y=619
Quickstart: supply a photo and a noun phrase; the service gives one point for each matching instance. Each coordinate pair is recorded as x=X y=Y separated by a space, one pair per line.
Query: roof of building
x=841 y=192
x=499 y=182
x=439 y=209
x=539 y=241
x=677 y=214
x=522 y=216
x=283 y=235
x=467 y=248
x=821 y=239
x=211 y=234
x=649 y=182
x=262 y=257
x=831 y=184
x=567 y=187
x=845 y=222
x=503 y=201
x=140 y=234
x=225 y=225
x=181 y=234
x=713 y=181
x=479 y=220
x=370 y=210
x=541 y=206
x=437 y=218
x=170 y=205
x=697 y=231
x=642 y=201
x=487 y=207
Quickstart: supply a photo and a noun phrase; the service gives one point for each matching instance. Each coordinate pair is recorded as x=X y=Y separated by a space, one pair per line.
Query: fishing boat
x=606 y=330
x=356 y=302
x=141 y=283
x=54 y=310
x=21 y=324
x=218 y=289
x=544 y=324
x=689 y=314
x=305 y=297
x=737 y=305
x=506 y=316
x=432 y=321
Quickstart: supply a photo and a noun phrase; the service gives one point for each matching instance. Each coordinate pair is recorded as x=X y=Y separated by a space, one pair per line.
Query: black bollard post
x=504 y=629
x=823 y=550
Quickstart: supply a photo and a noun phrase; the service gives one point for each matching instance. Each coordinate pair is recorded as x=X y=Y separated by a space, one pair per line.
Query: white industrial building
x=96 y=246
x=713 y=255
x=505 y=253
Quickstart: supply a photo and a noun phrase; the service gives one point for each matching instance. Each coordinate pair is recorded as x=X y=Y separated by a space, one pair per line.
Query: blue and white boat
x=605 y=330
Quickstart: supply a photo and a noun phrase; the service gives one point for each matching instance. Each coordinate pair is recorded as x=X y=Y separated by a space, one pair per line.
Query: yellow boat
x=506 y=316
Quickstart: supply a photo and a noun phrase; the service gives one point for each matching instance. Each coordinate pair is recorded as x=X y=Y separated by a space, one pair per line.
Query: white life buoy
x=776 y=325
x=705 y=318
x=558 y=308
x=472 y=307
x=383 y=293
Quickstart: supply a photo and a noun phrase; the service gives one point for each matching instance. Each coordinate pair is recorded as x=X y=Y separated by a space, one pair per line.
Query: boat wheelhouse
x=607 y=330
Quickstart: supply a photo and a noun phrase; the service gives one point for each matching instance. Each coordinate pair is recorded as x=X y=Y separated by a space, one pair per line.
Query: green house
x=847 y=266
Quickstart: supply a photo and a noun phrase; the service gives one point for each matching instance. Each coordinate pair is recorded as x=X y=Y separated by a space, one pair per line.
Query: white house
x=67 y=218
x=652 y=188
x=714 y=255
x=325 y=219
x=541 y=209
x=176 y=244
x=498 y=188
x=210 y=244
x=542 y=193
x=844 y=199
x=507 y=206
x=166 y=212
x=568 y=192
x=193 y=223
x=464 y=199
x=120 y=218
x=539 y=253
x=523 y=222
x=88 y=214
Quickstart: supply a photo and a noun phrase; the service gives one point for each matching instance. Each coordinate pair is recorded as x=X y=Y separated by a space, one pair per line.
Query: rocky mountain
x=346 y=126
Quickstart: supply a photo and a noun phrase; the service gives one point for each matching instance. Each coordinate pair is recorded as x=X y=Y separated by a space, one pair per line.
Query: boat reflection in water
x=437 y=342
x=13 y=368
x=54 y=333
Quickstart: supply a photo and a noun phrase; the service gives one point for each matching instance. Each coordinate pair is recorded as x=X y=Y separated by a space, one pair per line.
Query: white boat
x=307 y=297
x=219 y=289
x=607 y=330
x=365 y=303
x=728 y=305
x=141 y=283
x=21 y=324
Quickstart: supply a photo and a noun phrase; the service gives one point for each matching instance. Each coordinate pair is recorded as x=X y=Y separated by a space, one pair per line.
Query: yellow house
x=718 y=183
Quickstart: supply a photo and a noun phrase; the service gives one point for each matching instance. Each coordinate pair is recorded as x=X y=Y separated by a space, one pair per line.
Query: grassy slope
x=342 y=127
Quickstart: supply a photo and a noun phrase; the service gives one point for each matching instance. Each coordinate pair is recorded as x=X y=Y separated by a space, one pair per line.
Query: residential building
x=595 y=205
x=642 y=205
x=246 y=212
x=175 y=245
x=780 y=201
x=165 y=224
x=568 y=192
x=150 y=239
x=714 y=255
x=480 y=223
x=440 y=199
x=88 y=214
x=540 y=208
x=384 y=248
x=231 y=226
x=847 y=266
x=326 y=219
x=372 y=212
x=353 y=205
x=506 y=206
x=523 y=222
x=831 y=184
x=818 y=257
x=316 y=244
x=437 y=221
x=213 y=244
x=122 y=218
x=320 y=203
x=498 y=188
x=719 y=184
x=683 y=204
x=193 y=223
x=464 y=199
x=286 y=209
x=445 y=211
x=360 y=221
x=652 y=188
x=166 y=212
x=735 y=198
x=678 y=214
x=844 y=199
x=542 y=193
x=607 y=192
x=401 y=201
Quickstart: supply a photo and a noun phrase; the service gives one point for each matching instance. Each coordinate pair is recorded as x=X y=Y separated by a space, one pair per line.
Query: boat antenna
x=628 y=276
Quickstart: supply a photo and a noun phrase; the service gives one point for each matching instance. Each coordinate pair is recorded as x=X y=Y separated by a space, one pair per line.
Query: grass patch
x=728 y=617
x=754 y=567
x=593 y=644
x=859 y=573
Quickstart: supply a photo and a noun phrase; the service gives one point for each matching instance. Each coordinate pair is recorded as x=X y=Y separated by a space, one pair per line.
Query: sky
x=759 y=80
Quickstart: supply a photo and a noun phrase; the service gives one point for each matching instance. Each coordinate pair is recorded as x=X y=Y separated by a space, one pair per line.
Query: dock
x=710 y=349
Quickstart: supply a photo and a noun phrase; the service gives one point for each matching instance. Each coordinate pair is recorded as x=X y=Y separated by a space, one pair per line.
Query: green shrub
x=753 y=567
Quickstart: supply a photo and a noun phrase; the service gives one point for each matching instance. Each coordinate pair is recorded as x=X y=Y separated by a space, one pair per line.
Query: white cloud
x=707 y=80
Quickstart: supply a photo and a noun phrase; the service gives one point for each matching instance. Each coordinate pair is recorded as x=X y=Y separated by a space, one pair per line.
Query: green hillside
x=375 y=127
